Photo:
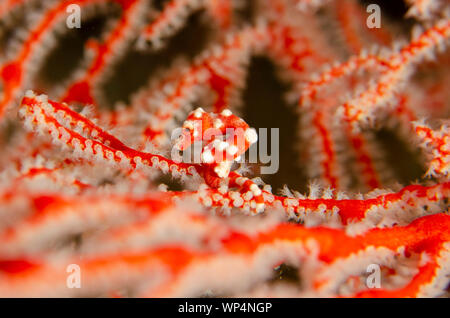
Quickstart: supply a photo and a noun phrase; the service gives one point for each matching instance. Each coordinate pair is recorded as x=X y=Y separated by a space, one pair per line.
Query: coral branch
x=153 y=195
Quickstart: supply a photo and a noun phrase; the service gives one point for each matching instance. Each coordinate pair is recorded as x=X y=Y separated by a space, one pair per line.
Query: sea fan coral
x=100 y=197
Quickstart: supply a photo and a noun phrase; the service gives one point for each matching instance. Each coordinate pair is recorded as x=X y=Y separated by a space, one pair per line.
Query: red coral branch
x=87 y=188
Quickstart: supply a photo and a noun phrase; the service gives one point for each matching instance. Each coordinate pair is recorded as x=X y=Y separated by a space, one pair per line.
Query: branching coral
x=80 y=182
